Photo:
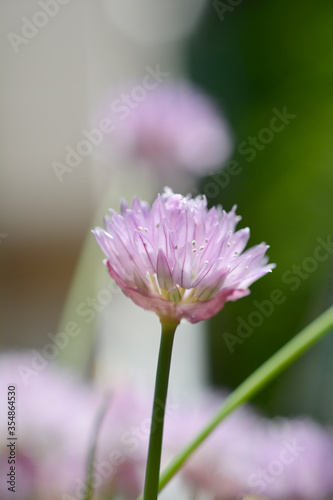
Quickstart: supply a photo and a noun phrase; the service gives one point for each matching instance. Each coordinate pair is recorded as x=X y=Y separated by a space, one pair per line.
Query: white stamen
x=236 y=253
x=228 y=244
x=206 y=240
x=202 y=247
x=194 y=250
x=146 y=230
x=176 y=246
x=206 y=262
x=193 y=242
x=140 y=227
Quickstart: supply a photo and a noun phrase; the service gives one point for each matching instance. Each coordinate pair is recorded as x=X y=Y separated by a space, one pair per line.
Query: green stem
x=157 y=422
x=93 y=445
x=264 y=374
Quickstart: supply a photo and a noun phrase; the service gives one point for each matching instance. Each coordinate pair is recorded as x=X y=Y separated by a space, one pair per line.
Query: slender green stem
x=157 y=422
x=93 y=445
x=264 y=374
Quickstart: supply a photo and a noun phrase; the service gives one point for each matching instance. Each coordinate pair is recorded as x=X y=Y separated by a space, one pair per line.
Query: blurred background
x=256 y=61
x=252 y=58
x=266 y=71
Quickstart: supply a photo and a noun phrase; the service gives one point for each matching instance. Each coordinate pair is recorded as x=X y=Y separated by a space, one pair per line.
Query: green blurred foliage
x=264 y=56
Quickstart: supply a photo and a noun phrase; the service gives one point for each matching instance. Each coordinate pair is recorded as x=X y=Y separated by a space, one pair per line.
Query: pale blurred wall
x=49 y=87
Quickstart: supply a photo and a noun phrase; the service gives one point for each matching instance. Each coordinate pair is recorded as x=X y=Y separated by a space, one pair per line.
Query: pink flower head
x=174 y=126
x=178 y=258
x=52 y=448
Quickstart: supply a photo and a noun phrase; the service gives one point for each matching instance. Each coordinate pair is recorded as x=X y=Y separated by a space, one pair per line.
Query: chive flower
x=179 y=258
x=174 y=127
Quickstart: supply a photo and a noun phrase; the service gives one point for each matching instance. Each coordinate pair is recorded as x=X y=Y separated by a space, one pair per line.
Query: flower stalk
x=157 y=421
x=256 y=381
x=93 y=446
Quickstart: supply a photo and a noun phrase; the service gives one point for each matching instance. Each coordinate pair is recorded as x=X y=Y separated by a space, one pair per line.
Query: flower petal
x=180 y=259
x=163 y=272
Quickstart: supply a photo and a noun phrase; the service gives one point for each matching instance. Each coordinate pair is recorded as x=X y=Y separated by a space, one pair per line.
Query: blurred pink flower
x=25 y=476
x=174 y=127
x=290 y=459
x=55 y=417
x=276 y=459
x=178 y=258
x=279 y=459
x=55 y=414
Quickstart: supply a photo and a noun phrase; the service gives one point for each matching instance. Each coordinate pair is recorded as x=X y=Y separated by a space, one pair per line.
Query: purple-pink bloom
x=276 y=459
x=179 y=258
x=55 y=414
x=175 y=126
